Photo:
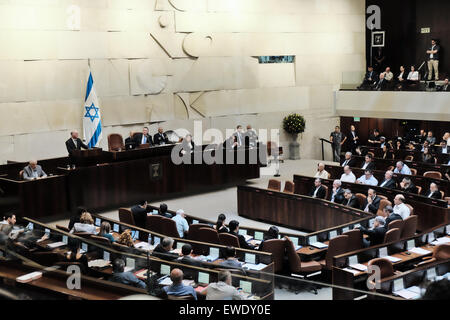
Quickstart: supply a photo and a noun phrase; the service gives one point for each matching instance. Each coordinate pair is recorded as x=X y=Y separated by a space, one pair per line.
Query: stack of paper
x=442 y=240
x=359 y=267
x=392 y=259
x=318 y=245
x=409 y=293
x=355 y=272
x=166 y=282
x=55 y=245
x=247 y=237
x=144 y=246
x=99 y=263
x=29 y=277
x=256 y=267
x=419 y=251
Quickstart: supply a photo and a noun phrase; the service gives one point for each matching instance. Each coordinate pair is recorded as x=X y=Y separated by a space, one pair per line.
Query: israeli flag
x=92 y=123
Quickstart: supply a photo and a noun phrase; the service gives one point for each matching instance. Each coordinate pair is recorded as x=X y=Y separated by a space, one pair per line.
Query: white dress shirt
x=384 y=182
x=405 y=170
x=414 y=76
x=321 y=175
x=372 y=181
x=348 y=177
x=402 y=210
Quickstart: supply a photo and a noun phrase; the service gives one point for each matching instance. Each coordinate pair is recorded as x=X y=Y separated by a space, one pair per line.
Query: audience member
x=181 y=222
x=402 y=168
x=321 y=172
x=407 y=186
x=376 y=234
x=350 y=199
x=234 y=230
x=105 y=229
x=163 y=250
x=86 y=224
x=400 y=207
x=348 y=175
x=220 y=224
x=230 y=258
x=337 y=194
x=318 y=191
x=389 y=215
x=433 y=192
x=348 y=161
x=33 y=171
x=388 y=181
x=178 y=288
x=222 y=289
x=372 y=202
x=139 y=213
x=367 y=178
x=128 y=278
x=368 y=163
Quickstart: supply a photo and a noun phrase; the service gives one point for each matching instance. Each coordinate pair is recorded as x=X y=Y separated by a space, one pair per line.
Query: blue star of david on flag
x=90 y=110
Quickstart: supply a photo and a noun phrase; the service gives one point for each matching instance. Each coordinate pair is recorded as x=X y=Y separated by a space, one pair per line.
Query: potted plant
x=294 y=124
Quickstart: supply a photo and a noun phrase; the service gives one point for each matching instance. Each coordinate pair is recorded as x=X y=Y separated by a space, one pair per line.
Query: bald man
x=33 y=171
x=178 y=288
x=75 y=143
x=433 y=192
x=160 y=138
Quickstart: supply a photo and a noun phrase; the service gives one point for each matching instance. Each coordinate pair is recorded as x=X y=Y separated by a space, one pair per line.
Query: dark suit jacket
x=373 y=207
x=71 y=146
x=439 y=150
x=411 y=189
x=374 y=76
x=376 y=236
x=158 y=138
x=392 y=217
x=242 y=242
x=321 y=193
x=339 y=197
x=388 y=155
x=138 y=139
x=162 y=253
x=352 y=202
x=391 y=184
x=370 y=166
x=435 y=195
x=351 y=163
x=139 y=215
x=190 y=261
x=130 y=142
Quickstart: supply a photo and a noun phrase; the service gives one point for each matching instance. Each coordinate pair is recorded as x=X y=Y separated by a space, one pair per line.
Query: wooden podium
x=89 y=157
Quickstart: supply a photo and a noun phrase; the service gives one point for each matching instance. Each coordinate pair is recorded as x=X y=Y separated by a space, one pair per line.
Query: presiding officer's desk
x=421 y=181
x=103 y=180
x=321 y=219
x=262 y=288
x=429 y=214
x=344 y=274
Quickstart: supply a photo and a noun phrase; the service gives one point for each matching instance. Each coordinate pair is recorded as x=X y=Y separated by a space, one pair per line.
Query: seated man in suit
x=321 y=172
x=433 y=192
x=443 y=149
x=374 y=138
x=186 y=258
x=143 y=138
x=130 y=143
x=350 y=199
x=367 y=178
x=163 y=250
x=348 y=175
x=127 y=278
x=139 y=212
x=318 y=191
x=348 y=161
x=74 y=143
x=407 y=186
x=230 y=258
x=388 y=182
x=160 y=138
x=389 y=215
x=430 y=138
x=178 y=288
x=382 y=84
x=376 y=234
x=400 y=207
x=33 y=171
x=368 y=163
x=337 y=195
x=372 y=202
x=370 y=78
x=222 y=289
x=402 y=168
x=234 y=230
x=163 y=211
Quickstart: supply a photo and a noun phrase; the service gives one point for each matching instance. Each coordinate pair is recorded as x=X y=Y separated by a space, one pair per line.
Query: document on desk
x=319 y=245
x=359 y=266
x=442 y=240
x=99 y=263
x=408 y=293
x=166 y=282
x=144 y=246
x=256 y=267
x=55 y=245
x=247 y=237
x=355 y=272
x=29 y=277
x=392 y=259
x=419 y=251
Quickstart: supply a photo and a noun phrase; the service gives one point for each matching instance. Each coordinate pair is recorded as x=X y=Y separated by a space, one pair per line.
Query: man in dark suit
x=370 y=79
x=139 y=212
x=348 y=161
x=130 y=142
x=186 y=258
x=234 y=230
x=350 y=199
x=372 y=202
x=318 y=191
x=445 y=87
x=388 y=182
x=160 y=138
x=443 y=148
x=407 y=186
x=337 y=194
x=433 y=192
x=353 y=139
x=382 y=84
x=162 y=250
x=75 y=143
x=368 y=163
x=376 y=234
x=163 y=211
x=128 y=278
x=143 y=138
x=389 y=215
x=239 y=134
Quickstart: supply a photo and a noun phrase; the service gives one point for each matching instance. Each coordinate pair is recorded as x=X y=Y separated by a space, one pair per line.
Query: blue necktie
x=145 y=140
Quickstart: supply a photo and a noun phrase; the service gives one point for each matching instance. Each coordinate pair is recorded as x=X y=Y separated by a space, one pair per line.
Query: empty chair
x=326 y=191
x=383 y=204
x=126 y=216
x=169 y=228
x=115 y=142
x=433 y=174
x=227 y=239
x=409 y=158
x=274 y=185
x=193 y=229
x=419 y=189
x=289 y=187
x=296 y=265
x=153 y=223
x=207 y=235
x=413 y=171
x=277 y=248
x=392 y=235
x=386 y=270
x=338 y=245
x=354 y=239
x=441 y=252
x=396 y=224
x=361 y=199
x=101 y=240
x=409 y=227
x=62 y=228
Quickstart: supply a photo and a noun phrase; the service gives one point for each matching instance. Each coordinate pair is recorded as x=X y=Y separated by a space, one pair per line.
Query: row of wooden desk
x=126 y=178
x=403 y=153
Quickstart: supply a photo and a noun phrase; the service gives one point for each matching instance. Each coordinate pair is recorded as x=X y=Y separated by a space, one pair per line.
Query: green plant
x=294 y=123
